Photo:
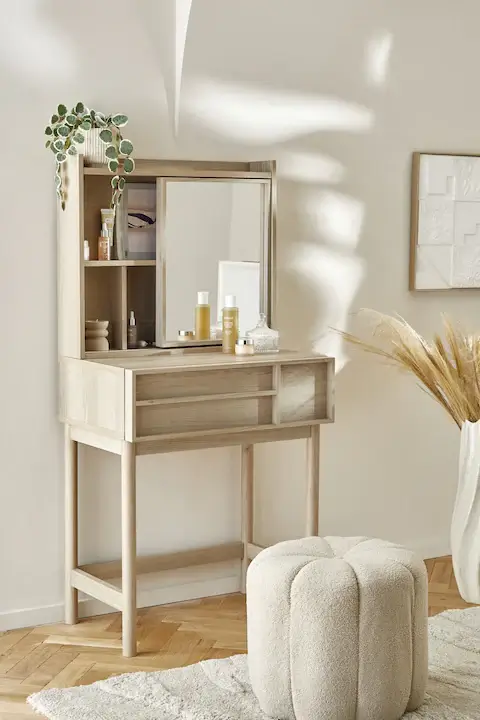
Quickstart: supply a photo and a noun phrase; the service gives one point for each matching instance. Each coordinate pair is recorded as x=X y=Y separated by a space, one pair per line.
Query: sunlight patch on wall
x=337 y=276
x=338 y=217
x=377 y=57
x=265 y=116
x=310 y=168
x=31 y=46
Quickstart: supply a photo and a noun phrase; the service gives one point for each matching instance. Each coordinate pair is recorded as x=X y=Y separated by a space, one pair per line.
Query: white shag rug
x=220 y=689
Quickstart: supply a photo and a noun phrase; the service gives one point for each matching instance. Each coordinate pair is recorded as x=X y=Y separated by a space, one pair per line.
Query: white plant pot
x=465 y=530
x=93 y=149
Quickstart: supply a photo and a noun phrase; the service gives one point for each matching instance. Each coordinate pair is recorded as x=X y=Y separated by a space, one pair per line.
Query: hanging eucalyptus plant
x=66 y=133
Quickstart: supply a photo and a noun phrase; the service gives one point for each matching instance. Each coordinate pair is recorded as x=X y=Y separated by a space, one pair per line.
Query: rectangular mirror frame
x=267 y=251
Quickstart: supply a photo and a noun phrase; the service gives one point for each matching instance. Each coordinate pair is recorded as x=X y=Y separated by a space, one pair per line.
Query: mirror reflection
x=213 y=242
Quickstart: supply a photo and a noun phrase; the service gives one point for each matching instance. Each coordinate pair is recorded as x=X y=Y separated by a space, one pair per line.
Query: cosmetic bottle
x=229 y=324
x=86 y=251
x=202 y=317
x=132 y=332
x=104 y=244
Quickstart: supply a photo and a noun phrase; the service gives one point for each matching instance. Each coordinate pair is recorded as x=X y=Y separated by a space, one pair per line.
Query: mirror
x=213 y=238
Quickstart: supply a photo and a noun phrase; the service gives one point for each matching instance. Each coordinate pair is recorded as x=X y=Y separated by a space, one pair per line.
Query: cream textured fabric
x=220 y=689
x=337 y=629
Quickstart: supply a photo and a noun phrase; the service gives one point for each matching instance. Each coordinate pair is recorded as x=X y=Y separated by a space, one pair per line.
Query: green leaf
x=62 y=110
x=78 y=138
x=68 y=142
x=54 y=119
x=113 y=165
x=111 y=152
x=71 y=120
x=92 y=114
x=48 y=130
x=79 y=108
x=59 y=145
x=126 y=147
x=72 y=150
x=64 y=130
x=55 y=131
x=58 y=180
x=128 y=165
x=121 y=183
x=53 y=148
x=114 y=182
x=106 y=136
x=119 y=120
x=48 y=143
x=86 y=125
x=61 y=157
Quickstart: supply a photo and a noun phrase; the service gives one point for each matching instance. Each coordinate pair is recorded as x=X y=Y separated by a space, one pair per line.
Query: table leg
x=313 y=479
x=71 y=526
x=129 y=551
x=247 y=507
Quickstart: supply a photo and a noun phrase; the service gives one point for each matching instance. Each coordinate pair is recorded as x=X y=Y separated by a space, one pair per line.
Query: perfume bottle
x=202 y=317
x=132 y=331
x=229 y=325
x=265 y=340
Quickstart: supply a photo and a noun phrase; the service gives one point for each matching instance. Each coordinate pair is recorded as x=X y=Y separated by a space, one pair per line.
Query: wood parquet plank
x=168 y=636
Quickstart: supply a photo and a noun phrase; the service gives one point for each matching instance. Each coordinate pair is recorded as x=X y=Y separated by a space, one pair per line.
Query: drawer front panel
x=203 y=382
x=205 y=415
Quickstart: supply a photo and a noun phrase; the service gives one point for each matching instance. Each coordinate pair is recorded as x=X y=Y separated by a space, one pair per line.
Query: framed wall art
x=445 y=222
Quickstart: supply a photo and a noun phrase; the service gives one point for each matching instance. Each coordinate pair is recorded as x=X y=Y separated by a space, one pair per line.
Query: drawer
x=211 y=414
x=159 y=386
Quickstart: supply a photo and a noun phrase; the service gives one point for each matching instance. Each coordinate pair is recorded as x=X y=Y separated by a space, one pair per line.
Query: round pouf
x=337 y=629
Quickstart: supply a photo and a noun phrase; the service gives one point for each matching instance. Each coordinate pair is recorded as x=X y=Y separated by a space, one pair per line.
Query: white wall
x=303 y=82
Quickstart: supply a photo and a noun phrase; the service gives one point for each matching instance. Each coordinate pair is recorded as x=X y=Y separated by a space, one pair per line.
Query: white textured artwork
x=446 y=222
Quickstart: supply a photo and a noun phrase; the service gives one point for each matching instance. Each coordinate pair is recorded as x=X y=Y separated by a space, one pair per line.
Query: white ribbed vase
x=93 y=149
x=465 y=530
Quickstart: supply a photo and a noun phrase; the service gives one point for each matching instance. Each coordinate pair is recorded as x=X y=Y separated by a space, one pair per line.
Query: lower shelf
x=170 y=561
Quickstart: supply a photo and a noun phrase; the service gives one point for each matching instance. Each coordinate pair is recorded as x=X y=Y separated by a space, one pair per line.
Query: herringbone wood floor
x=169 y=636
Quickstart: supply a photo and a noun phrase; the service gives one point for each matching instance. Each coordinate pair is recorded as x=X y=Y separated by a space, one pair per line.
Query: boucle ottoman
x=337 y=629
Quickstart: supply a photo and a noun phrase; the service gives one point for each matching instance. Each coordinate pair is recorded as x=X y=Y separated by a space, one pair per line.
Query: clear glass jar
x=265 y=340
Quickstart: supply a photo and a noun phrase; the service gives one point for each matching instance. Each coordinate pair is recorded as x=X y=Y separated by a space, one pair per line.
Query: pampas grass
x=448 y=368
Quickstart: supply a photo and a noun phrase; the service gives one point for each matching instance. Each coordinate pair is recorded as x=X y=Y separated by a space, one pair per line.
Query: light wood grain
x=92 y=396
x=151 y=169
x=119 y=263
x=313 y=481
x=71 y=525
x=155 y=420
x=216 y=439
x=104 y=295
x=303 y=392
x=170 y=561
x=102 y=440
x=129 y=550
x=206 y=398
x=97 y=588
x=248 y=465
x=156 y=363
x=253 y=550
x=208 y=383
x=141 y=298
x=70 y=228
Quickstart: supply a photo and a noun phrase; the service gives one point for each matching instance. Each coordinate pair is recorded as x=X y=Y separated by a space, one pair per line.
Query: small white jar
x=244 y=346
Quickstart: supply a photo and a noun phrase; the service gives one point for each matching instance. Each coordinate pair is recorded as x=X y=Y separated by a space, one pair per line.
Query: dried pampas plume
x=448 y=368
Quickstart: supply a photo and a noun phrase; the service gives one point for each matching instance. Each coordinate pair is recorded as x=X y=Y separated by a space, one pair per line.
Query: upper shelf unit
x=96 y=289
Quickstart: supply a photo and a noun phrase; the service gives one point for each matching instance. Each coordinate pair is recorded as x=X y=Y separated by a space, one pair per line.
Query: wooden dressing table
x=138 y=402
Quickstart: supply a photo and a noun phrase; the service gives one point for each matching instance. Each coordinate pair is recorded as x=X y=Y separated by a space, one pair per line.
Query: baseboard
x=174 y=586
